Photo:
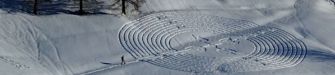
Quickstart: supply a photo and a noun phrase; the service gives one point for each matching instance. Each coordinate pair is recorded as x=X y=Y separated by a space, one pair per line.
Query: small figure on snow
x=123 y=62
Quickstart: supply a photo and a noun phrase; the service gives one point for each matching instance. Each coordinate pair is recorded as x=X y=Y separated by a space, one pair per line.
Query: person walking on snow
x=123 y=62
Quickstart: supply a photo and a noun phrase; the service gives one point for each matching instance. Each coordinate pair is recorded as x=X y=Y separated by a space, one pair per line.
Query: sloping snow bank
x=20 y=49
x=57 y=45
x=318 y=16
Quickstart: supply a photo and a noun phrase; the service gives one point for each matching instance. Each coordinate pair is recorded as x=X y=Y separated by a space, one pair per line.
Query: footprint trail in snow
x=203 y=43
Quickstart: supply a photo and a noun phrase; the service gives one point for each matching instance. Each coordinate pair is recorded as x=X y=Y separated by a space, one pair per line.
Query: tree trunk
x=35 y=7
x=81 y=11
x=124 y=7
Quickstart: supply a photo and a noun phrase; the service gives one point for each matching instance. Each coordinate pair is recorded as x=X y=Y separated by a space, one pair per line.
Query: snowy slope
x=316 y=17
x=237 y=37
x=48 y=43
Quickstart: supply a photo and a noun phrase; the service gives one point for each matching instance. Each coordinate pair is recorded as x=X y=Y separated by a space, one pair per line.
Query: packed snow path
x=203 y=43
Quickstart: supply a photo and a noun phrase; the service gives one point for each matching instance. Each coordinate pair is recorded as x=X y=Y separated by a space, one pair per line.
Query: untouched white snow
x=175 y=37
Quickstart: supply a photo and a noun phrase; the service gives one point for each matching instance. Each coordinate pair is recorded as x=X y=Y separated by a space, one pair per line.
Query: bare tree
x=81 y=11
x=123 y=7
x=86 y=6
x=35 y=7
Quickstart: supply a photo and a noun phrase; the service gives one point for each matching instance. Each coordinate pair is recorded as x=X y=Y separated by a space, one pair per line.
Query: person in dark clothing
x=123 y=62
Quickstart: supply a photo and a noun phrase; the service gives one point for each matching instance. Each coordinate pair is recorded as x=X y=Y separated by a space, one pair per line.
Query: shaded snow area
x=174 y=37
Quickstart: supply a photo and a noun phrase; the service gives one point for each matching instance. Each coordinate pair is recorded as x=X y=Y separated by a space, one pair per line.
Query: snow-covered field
x=175 y=37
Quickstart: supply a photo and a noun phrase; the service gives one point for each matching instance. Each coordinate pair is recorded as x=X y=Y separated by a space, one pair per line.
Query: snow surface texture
x=175 y=37
x=202 y=43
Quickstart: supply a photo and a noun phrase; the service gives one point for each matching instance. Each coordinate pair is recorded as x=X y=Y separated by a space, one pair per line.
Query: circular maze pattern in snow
x=203 y=43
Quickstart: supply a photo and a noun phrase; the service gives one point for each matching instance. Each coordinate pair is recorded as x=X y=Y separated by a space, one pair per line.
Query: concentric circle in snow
x=203 y=43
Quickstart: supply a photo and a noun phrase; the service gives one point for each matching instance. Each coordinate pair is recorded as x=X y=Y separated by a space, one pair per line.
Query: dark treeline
x=80 y=7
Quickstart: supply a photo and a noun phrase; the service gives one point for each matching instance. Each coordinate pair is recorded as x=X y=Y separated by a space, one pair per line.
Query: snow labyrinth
x=203 y=43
